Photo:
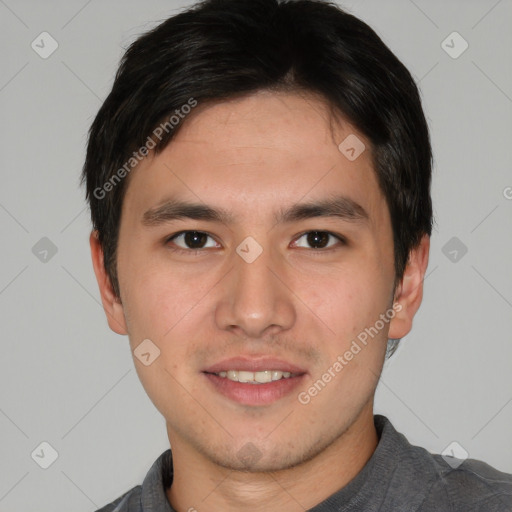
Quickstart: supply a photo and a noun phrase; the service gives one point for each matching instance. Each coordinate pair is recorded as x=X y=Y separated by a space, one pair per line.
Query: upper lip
x=252 y=364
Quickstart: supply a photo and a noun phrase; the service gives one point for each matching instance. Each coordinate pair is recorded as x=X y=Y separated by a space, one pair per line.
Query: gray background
x=66 y=379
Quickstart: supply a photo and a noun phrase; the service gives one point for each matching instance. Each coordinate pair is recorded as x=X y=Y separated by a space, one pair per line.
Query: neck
x=199 y=483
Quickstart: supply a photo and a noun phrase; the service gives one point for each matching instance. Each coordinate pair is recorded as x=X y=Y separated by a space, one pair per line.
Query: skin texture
x=305 y=305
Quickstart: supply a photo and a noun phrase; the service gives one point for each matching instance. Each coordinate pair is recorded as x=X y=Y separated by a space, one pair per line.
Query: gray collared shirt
x=398 y=477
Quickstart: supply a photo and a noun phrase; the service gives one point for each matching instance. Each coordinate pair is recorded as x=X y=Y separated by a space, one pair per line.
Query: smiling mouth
x=260 y=377
x=260 y=388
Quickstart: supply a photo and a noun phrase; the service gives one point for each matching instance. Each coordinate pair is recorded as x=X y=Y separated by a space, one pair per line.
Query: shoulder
x=472 y=486
x=430 y=482
x=130 y=501
x=151 y=494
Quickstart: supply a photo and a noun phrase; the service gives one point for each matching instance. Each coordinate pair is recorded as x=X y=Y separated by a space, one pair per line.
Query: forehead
x=258 y=153
x=298 y=123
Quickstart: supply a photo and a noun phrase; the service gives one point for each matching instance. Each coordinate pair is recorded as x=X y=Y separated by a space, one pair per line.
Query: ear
x=111 y=304
x=409 y=292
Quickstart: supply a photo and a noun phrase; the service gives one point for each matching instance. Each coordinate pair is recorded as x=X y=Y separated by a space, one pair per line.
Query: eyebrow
x=173 y=209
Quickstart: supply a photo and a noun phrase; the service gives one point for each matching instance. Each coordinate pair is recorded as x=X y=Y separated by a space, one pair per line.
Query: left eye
x=319 y=238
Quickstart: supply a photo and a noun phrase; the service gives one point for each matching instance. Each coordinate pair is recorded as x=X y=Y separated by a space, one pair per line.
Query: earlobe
x=409 y=292
x=111 y=304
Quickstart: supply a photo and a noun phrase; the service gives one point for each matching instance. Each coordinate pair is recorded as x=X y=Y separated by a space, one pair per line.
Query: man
x=259 y=182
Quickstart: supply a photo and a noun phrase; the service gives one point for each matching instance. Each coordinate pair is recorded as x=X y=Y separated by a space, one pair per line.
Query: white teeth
x=245 y=376
x=265 y=376
x=254 y=377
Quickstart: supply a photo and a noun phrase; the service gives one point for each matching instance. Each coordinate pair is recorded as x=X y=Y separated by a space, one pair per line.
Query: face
x=254 y=282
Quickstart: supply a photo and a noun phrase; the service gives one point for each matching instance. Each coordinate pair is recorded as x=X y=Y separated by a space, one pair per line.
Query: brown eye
x=319 y=239
x=192 y=240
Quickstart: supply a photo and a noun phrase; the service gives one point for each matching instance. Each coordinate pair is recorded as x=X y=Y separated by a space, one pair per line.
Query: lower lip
x=254 y=394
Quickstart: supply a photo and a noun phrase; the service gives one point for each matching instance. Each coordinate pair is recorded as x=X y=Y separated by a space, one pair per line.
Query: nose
x=256 y=299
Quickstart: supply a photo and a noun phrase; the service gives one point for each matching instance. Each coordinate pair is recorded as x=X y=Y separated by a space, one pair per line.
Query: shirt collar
x=154 y=497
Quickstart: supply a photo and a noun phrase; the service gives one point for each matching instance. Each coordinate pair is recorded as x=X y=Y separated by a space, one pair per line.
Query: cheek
x=155 y=296
x=163 y=310
x=169 y=308
x=347 y=301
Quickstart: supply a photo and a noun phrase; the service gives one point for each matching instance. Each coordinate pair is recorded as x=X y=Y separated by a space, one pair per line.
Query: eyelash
x=340 y=238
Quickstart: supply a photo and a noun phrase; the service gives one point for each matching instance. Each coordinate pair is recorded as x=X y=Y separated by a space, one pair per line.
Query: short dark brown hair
x=220 y=49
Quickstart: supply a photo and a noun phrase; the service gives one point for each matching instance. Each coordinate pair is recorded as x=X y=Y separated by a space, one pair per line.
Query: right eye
x=191 y=240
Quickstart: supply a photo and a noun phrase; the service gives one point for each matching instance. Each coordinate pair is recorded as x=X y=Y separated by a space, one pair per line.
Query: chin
x=261 y=457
